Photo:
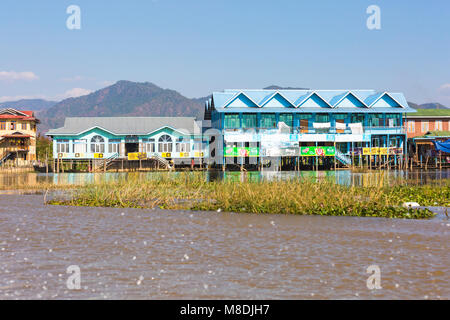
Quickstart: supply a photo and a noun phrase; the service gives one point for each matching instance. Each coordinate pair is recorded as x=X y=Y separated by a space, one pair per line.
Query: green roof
x=432 y=134
x=432 y=112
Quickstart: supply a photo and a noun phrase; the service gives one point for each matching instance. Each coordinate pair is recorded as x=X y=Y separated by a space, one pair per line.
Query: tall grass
x=307 y=197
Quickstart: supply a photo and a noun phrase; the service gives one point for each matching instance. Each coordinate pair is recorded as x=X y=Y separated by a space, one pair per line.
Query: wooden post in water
x=335 y=156
x=57 y=164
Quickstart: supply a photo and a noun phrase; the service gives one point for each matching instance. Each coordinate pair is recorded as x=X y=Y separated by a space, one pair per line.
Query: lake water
x=342 y=177
x=156 y=254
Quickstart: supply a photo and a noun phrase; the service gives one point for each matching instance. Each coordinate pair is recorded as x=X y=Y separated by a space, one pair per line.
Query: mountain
x=432 y=105
x=124 y=98
x=28 y=104
x=274 y=87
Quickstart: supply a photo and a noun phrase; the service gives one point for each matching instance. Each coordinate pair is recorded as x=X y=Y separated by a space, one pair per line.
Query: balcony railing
x=309 y=130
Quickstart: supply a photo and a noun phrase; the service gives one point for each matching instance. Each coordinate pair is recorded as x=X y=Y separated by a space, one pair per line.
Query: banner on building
x=98 y=155
x=133 y=156
x=241 y=152
x=317 y=151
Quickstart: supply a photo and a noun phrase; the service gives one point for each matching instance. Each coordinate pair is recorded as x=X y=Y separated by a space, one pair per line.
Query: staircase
x=5 y=157
x=108 y=161
x=346 y=160
x=160 y=159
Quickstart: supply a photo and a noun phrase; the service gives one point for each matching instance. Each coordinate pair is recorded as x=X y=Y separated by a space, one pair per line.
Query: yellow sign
x=166 y=155
x=375 y=151
x=98 y=155
x=198 y=154
x=133 y=156
x=184 y=154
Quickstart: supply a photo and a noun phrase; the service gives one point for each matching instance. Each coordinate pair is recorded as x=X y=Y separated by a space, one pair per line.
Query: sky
x=200 y=46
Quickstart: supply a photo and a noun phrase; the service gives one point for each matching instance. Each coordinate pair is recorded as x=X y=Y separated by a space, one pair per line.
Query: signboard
x=241 y=152
x=137 y=156
x=395 y=150
x=184 y=154
x=375 y=151
x=317 y=151
x=199 y=154
x=98 y=155
x=166 y=155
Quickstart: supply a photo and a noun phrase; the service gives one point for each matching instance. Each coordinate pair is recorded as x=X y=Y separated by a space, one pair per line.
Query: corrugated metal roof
x=315 y=110
x=298 y=97
x=127 y=125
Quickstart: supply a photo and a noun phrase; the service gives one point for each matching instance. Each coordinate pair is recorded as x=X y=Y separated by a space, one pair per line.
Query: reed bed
x=190 y=191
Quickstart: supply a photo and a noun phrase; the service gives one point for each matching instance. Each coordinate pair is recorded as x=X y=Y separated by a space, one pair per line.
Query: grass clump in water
x=190 y=191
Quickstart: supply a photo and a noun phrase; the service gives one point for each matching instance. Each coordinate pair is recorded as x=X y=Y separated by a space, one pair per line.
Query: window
x=165 y=143
x=357 y=118
x=375 y=120
x=198 y=145
x=97 y=144
x=183 y=147
x=375 y=142
x=12 y=125
x=232 y=121
x=24 y=125
x=438 y=125
x=62 y=146
x=393 y=142
x=393 y=120
x=149 y=145
x=268 y=120
x=3 y=125
x=340 y=116
x=249 y=120
x=114 y=146
x=304 y=116
x=80 y=146
x=286 y=118
x=322 y=118
x=411 y=126
x=425 y=126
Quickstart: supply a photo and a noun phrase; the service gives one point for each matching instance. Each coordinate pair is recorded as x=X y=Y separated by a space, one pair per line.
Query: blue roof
x=306 y=101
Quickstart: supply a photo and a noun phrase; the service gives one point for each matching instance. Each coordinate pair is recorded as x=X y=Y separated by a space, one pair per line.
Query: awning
x=442 y=146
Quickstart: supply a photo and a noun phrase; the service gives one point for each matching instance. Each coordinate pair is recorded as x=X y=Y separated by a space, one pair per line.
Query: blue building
x=292 y=126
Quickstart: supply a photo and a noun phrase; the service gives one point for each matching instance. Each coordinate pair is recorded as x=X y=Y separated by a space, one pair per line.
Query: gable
x=240 y=101
x=277 y=101
x=350 y=101
x=386 y=102
x=314 y=101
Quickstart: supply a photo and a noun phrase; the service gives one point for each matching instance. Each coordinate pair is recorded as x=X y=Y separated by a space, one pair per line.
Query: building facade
x=17 y=136
x=292 y=124
x=132 y=138
x=428 y=120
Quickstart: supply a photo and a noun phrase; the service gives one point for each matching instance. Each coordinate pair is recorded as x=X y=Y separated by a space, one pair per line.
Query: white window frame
x=80 y=146
x=425 y=126
x=438 y=125
x=62 y=146
x=411 y=126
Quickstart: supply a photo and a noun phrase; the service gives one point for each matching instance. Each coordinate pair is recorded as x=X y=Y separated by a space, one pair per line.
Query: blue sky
x=200 y=46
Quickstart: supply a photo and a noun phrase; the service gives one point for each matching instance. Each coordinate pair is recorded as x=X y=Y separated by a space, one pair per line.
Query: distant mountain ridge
x=124 y=98
x=432 y=105
x=127 y=98
x=28 y=104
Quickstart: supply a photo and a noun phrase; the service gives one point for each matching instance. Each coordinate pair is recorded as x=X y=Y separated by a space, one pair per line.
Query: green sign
x=241 y=152
x=317 y=151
